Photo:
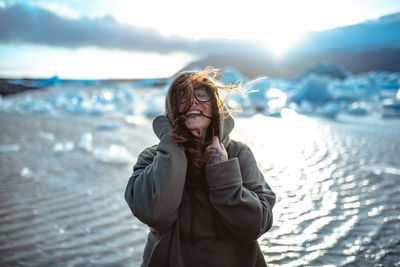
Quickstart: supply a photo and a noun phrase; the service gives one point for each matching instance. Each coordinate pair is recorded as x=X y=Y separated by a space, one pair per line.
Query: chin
x=193 y=125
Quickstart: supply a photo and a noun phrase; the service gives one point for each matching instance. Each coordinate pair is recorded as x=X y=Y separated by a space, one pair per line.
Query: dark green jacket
x=214 y=226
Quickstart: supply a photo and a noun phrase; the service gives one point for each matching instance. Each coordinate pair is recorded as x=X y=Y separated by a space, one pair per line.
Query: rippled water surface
x=337 y=184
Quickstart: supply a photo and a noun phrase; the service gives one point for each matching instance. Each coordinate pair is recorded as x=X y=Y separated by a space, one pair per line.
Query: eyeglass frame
x=202 y=88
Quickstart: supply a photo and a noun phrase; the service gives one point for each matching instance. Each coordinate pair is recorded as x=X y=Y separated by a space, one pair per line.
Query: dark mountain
x=363 y=47
x=369 y=35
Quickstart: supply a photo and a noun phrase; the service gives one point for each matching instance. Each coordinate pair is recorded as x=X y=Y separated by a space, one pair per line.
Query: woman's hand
x=215 y=152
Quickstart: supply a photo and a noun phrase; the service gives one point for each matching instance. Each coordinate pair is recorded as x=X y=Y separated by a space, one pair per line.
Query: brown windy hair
x=183 y=88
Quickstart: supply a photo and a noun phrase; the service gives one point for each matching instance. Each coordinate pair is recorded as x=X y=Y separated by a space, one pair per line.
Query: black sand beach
x=336 y=183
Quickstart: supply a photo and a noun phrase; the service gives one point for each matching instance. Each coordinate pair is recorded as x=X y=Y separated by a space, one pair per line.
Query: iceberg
x=144 y=83
x=91 y=102
x=313 y=89
x=315 y=94
x=231 y=76
x=264 y=96
x=391 y=110
x=47 y=82
x=328 y=70
x=155 y=103
x=256 y=93
x=358 y=109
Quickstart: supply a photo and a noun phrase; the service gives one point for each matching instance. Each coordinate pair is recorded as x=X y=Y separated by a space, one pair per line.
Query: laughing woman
x=201 y=194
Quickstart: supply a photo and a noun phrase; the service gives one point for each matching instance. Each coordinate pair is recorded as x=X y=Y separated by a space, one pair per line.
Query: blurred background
x=81 y=81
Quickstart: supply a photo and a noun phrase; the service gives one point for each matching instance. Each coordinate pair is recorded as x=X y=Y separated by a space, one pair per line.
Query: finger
x=222 y=147
x=215 y=140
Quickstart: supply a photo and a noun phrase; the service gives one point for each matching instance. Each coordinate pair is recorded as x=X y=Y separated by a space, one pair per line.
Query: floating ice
x=313 y=89
x=9 y=148
x=373 y=93
x=115 y=154
x=358 y=109
x=155 y=104
x=108 y=126
x=149 y=82
x=47 y=135
x=47 y=82
x=26 y=172
x=136 y=120
x=256 y=98
x=330 y=110
x=231 y=76
x=391 y=110
x=263 y=95
x=85 y=142
x=329 y=70
x=91 y=102
x=65 y=146
x=276 y=100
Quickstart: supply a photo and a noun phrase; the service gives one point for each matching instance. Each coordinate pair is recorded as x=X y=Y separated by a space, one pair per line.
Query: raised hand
x=215 y=152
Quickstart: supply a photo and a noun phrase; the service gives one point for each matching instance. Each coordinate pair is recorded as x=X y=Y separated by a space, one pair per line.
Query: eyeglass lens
x=200 y=93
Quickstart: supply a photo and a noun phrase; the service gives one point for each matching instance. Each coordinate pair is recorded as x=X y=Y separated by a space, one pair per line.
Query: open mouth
x=194 y=113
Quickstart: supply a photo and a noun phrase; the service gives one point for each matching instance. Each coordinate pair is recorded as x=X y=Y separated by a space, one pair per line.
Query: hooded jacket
x=217 y=225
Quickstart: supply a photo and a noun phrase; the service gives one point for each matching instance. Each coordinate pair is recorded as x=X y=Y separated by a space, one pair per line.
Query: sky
x=99 y=39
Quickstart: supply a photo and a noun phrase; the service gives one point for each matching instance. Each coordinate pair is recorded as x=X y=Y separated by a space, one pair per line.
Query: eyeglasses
x=201 y=94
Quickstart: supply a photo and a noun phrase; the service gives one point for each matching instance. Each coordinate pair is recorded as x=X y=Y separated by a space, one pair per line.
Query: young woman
x=201 y=194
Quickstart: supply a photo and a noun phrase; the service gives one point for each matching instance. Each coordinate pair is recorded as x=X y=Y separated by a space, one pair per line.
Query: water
x=336 y=183
x=337 y=187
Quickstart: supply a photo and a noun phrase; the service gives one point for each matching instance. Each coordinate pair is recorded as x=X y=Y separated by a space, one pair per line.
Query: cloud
x=19 y=24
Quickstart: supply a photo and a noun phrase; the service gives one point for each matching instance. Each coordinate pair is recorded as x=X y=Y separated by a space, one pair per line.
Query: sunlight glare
x=94 y=63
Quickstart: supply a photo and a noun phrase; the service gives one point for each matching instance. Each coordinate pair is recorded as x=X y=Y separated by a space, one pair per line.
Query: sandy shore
x=336 y=181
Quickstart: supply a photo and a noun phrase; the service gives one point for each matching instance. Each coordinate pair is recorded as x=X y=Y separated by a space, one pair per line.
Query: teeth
x=193 y=112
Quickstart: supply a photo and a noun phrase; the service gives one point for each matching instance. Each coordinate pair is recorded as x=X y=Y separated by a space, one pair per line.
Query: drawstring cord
x=192 y=214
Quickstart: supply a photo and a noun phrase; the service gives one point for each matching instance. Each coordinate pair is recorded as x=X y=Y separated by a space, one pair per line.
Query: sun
x=278 y=43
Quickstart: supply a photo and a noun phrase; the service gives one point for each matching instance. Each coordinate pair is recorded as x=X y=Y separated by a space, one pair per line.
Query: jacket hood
x=226 y=122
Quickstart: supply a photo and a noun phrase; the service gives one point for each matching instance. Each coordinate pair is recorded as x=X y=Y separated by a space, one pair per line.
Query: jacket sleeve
x=241 y=196
x=155 y=189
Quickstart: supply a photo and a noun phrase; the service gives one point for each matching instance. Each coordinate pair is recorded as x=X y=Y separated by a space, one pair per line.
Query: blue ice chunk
x=313 y=89
x=391 y=110
x=257 y=90
x=9 y=148
x=358 y=109
x=327 y=69
x=47 y=82
x=155 y=104
x=276 y=101
x=108 y=126
x=263 y=96
x=62 y=147
x=18 y=82
x=304 y=107
x=85 y=141
x=114 y=154
x=41 y=107
x=149 y=82
x=330 y=110
x=231 y=76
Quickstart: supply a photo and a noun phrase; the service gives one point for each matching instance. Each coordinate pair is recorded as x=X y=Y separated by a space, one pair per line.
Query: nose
x=194 y=101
